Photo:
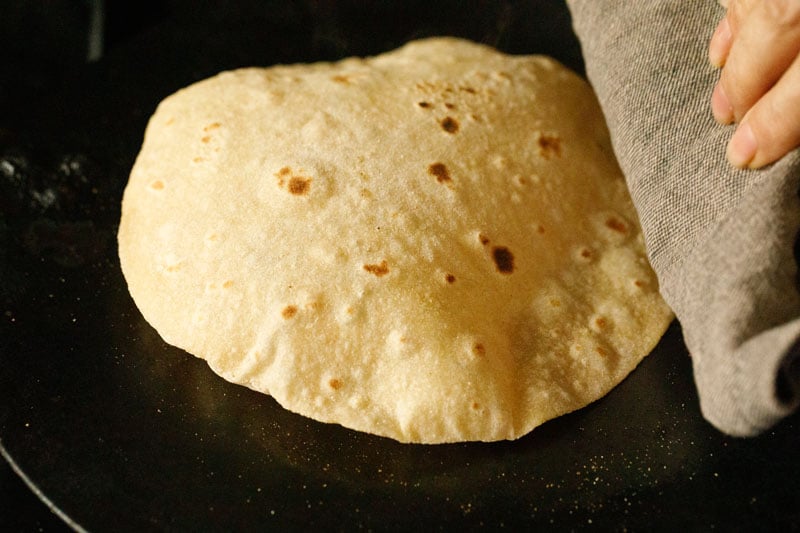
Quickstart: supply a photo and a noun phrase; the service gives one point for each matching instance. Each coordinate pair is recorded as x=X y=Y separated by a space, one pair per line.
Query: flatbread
x=435 y=244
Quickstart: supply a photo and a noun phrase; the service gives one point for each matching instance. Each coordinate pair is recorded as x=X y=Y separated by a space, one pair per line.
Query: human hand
x=757 y=45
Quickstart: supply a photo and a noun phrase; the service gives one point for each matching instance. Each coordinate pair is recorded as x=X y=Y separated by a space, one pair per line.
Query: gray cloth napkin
x=720 y=240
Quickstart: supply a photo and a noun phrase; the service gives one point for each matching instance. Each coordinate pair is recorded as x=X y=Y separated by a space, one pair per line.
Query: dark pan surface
x=118 y=430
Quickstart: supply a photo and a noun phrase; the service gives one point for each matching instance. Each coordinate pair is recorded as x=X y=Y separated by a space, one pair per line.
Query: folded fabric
x=721 y=240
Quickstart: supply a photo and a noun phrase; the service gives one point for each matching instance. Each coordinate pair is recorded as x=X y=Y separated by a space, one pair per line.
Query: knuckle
x=738 y=10
x=738 y=93
x=781 y=13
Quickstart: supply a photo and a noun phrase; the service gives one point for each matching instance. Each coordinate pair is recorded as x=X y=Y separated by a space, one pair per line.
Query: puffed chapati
x=434 y=245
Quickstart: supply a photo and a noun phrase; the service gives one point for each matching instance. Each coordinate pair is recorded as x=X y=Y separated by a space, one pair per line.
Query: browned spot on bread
x=212 y=126
x=289 y=311
x=341 y=79
x=483 y=238
x=157 y=185
x=299 y=185
x=335 y=384
x=503 y=259
x=601 y=351
x=616 y=225
x=549 y=146
x=449 y=278
x=639 y=283
x=424 y=105
x=227 y=284
x=448 y=105
x=540 y=229
x=379 y=270
x=449 y=124
x=439 y=170
x=476 y=405
x=586 y=253
x=600 y=322
x=206 y=138
x=469 y=90
x=479 y=349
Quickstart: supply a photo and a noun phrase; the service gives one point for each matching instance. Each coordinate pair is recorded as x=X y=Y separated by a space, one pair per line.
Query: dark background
x=21 y=510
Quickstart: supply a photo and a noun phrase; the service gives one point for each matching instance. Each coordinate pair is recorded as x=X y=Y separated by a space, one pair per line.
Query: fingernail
x=742 y=147
x=718 y=43
x=721 y=106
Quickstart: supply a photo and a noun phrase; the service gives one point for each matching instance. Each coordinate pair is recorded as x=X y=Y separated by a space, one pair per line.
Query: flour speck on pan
x=433 y=245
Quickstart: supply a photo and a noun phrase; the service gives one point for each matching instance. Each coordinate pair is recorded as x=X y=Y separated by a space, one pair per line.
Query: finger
x=720 y=44
x=721 y=105
x=771 y=129
x=763 y=48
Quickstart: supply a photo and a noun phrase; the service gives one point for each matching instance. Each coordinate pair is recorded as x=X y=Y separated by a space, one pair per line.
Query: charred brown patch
x=289 y=311
x=341 y=79
x=282 y=174
x=424 y=105
x=483 y=239
x=617 y=225
x=479 y=349
x=549 y=146
x=503 y=259
x=449 y=124
x=205 y=138
x=335 y=384
x=379 y=270
x=449 y=105
x=299 y=185
x=439 y=171
x=449 y=278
